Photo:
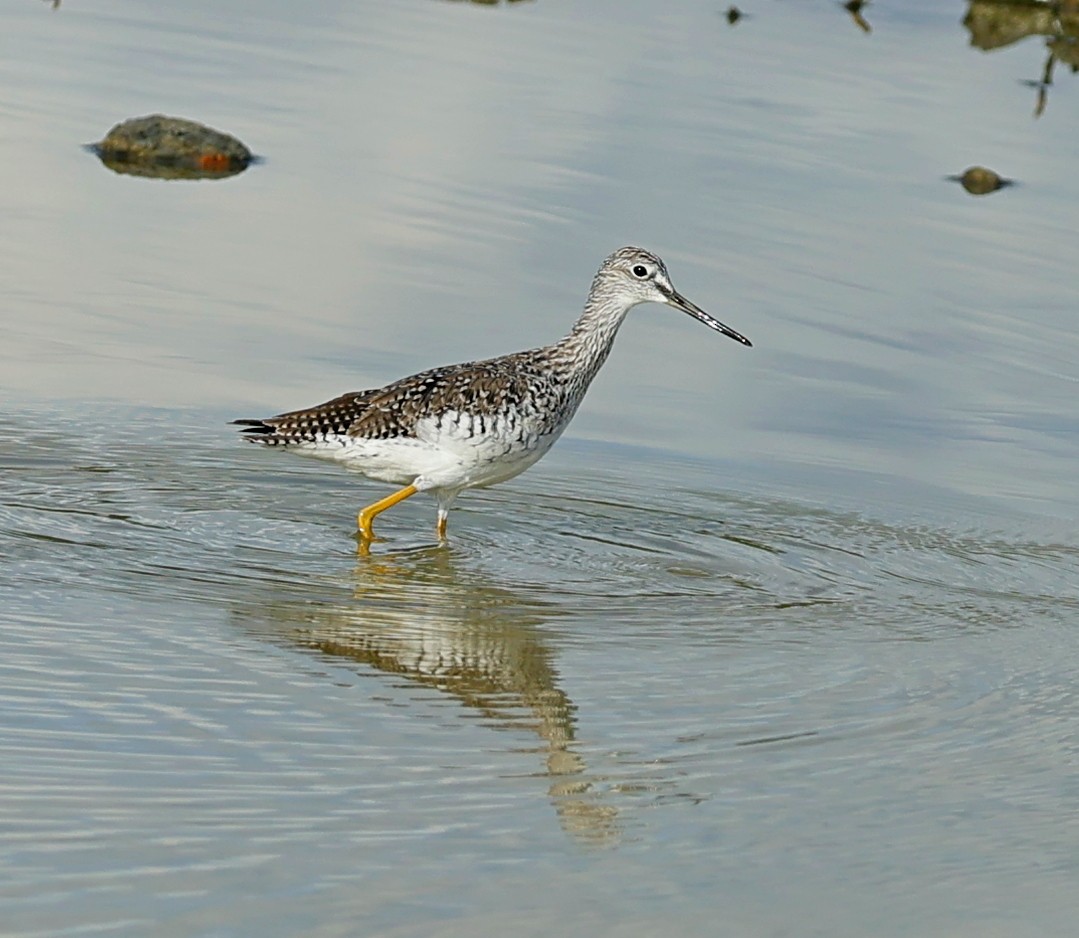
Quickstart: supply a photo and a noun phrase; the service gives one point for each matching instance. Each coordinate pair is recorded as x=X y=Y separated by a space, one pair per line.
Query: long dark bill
x=680 y=302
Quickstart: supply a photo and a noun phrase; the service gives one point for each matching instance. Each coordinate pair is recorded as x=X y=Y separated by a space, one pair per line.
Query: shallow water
x=778 y=641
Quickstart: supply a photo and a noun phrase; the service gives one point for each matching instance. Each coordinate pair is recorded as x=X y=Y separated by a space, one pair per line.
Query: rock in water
x=171 y=148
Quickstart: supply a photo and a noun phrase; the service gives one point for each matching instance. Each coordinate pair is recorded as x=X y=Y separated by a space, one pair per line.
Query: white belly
x=453 y=451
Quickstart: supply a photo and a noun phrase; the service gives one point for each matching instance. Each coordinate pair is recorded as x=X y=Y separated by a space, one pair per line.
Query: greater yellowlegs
x=478 y=423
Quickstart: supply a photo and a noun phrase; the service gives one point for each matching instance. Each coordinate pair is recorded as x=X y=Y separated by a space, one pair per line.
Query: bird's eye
x=640 y=271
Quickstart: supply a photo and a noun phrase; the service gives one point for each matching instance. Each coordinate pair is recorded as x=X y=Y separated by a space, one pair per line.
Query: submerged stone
x=978 y=180
x=171 y=148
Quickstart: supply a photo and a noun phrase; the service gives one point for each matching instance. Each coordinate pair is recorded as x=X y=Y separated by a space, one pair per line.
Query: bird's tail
x=261 y=431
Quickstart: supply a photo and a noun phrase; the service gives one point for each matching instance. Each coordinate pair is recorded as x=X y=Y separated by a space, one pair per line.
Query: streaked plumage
x=477 y=423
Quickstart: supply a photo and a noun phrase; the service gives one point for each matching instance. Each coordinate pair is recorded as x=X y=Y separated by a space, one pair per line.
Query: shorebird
x=477 y=423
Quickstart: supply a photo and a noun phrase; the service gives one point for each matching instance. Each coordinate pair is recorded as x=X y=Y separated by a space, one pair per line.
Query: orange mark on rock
x=214 y=162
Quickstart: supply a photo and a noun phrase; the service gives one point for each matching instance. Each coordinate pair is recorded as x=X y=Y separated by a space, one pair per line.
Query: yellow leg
x=367 y=515
x=441 y=527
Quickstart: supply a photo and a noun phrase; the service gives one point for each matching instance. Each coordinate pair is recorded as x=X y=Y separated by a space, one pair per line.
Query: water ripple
x=201 y=673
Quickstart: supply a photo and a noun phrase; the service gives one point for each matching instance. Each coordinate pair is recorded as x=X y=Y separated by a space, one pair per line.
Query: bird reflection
x=415 y=615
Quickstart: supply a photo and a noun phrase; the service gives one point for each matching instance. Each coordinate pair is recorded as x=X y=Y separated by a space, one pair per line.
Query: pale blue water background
x=778 y=641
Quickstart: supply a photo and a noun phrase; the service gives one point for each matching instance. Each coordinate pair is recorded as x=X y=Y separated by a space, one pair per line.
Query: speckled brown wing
x=392 y=412
x=479 y=388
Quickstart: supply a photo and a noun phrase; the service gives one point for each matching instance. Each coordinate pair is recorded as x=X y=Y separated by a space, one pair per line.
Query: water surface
x=778 y=641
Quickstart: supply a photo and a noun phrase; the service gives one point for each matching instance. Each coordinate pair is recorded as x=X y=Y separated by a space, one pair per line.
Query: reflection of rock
x=978 y=180
x=413 y=615
x=171 y=148
x=1065 y=49
x=994 y=24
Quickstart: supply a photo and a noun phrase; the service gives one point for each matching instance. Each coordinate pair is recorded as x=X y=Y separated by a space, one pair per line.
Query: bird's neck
x=589 y=342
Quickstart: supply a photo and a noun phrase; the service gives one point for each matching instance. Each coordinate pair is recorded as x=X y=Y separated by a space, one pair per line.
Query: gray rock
x=171 y=148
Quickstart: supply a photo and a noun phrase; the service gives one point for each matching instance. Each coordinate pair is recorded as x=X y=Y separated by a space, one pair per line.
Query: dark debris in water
x=854 y=8
x=978 y=180
x=171 y=148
